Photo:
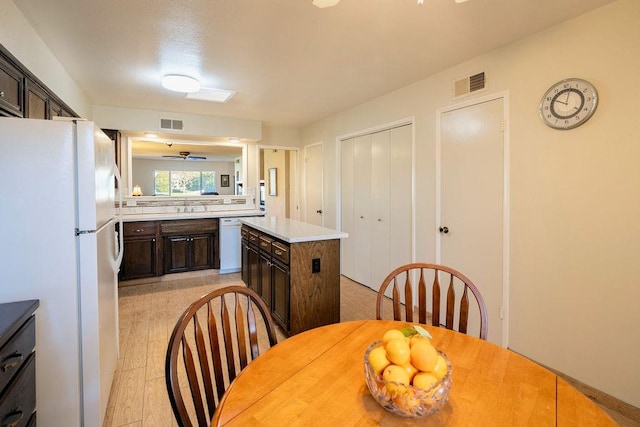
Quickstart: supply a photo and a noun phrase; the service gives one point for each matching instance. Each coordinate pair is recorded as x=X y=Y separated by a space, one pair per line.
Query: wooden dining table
x=317 y=378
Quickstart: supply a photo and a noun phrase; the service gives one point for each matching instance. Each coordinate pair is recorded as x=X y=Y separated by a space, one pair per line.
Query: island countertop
x=292 y=231
x=190 y=215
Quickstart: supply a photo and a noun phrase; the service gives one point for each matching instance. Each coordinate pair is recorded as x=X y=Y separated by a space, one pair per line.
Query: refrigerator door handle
x=120 y=232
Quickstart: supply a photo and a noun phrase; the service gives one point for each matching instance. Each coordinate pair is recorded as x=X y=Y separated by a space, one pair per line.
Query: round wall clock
x=568 y=104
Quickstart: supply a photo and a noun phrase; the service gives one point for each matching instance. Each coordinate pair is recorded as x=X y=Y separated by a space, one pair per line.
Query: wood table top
x=317 y=378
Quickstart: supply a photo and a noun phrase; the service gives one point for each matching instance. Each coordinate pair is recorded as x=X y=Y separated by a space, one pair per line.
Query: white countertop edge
x=194 y=215
x=292 y=231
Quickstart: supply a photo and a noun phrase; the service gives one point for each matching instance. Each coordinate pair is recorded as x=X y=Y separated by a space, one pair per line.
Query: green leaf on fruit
x=422 y=331
x=407 y=332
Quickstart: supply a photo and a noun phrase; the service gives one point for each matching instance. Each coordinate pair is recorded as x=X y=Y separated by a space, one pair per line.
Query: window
x=184 y=183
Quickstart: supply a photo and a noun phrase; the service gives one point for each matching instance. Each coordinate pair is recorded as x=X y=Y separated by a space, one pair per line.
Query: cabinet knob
x=1 y=94
x=444 y=230
x=361 y=217
x=319 y=211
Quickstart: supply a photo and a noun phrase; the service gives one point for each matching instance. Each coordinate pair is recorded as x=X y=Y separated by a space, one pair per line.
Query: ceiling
x=289 y=62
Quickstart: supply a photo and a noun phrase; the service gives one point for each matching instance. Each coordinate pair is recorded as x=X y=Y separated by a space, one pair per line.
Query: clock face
x=568 y=104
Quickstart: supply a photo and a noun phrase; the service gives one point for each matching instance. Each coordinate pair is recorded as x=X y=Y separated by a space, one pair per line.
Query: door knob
x=444 y=230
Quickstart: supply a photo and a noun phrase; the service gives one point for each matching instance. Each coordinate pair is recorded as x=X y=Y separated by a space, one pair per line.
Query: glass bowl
x=407 y=401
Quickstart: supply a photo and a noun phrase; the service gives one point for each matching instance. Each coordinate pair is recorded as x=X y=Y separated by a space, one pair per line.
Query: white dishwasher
x=230 y=249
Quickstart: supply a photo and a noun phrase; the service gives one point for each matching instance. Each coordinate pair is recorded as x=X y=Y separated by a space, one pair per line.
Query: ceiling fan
x=186 y=155
x=330 y=3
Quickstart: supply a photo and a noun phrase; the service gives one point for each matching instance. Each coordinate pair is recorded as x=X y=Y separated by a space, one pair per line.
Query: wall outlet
x=315 y=265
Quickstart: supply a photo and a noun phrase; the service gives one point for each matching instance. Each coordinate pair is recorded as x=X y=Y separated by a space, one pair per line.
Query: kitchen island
x=295 y=267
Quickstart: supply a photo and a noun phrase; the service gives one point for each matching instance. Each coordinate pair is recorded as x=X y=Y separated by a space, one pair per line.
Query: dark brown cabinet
x=300 y=282
x=190 y=245
x=17 y=363
x=140 y=250
x=24 y=95
x=11 y=89
x=37 y=102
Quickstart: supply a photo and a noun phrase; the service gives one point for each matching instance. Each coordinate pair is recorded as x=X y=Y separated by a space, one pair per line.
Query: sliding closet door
x=347 y=246
x=376 y=183
x=380 y=226
x=362 y=209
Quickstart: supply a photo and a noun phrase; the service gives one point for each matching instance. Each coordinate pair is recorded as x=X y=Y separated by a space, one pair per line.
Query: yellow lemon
x=398 y=351
x=417 y=338
x=440 y=369
x=424 y=380
x=378 y=359
x=397 y=375
x=423 y=356
x=392 y=334
x=411 y=370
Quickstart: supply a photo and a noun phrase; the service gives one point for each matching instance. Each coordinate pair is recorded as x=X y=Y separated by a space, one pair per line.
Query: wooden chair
x=214 y=339
x=400 y=283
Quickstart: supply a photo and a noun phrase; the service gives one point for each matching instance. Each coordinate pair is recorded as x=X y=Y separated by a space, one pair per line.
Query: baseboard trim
x=602 y=398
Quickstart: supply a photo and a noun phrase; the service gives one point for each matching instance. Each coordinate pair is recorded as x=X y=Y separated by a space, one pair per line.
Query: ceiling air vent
x=469 y=84
x=170 y=124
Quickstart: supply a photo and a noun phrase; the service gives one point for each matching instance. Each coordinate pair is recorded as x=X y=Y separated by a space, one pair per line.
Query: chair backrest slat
x=464 y=311
x=190 y=368
x=435 y=300
x=231 y=332
x=422 y=298
x=457 y=310
x=205 y=371
x=408 y=300
x=242 y=349
x=451 y=300
x=214 y=343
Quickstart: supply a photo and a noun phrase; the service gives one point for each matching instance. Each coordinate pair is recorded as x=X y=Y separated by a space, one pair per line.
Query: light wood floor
x=148 y=313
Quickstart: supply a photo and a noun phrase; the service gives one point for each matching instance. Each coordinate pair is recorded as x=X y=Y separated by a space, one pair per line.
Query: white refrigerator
x=58 y=244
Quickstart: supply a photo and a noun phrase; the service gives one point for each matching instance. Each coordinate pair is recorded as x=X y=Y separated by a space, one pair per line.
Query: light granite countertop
x=190 y=215
x=292 y=231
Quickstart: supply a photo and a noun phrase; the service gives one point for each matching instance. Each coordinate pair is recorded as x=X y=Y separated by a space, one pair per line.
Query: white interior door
x=313 y=177
x=380 y=226
x=347 y=246
x=472 y=204
x=362 y=209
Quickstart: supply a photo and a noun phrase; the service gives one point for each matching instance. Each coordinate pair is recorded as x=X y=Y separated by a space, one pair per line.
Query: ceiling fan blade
x=174 y=157
x=196 y=157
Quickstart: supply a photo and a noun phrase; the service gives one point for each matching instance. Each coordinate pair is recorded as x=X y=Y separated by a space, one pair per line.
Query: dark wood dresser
x=18 y=363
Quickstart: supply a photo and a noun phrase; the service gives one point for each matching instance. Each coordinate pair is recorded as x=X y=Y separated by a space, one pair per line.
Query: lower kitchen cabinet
x=140 y=250
x=190 y=252
x=299 y=297
x=154 y=248
x=190 y=245
x=18 y=363
x=281 y=304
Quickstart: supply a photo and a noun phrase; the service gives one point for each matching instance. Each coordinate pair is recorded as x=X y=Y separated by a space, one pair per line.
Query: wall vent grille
x=469 y=84
x=171 y=124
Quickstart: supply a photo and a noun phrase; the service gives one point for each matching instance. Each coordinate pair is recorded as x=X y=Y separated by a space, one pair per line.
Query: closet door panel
x=362 y=209
x=400 y=196
x=380 y=208
x=347 y=245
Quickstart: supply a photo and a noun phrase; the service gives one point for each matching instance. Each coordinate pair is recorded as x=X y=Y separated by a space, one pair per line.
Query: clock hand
x=560 y=102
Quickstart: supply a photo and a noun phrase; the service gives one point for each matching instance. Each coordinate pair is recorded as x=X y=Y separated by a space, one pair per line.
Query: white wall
x=17 y=36
x=575 y=195
x=143 y=173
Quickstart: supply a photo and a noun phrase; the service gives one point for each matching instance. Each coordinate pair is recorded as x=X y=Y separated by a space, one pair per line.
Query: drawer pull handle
x=12 y=419
x=11 y=362
x=278 y=252
x=138 y=230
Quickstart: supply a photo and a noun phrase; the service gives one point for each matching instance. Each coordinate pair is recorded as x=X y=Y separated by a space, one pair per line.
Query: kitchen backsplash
x=171 y=205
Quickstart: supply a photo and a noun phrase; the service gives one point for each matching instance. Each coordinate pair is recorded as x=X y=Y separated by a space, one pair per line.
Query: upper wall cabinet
x=11 y=89
x=23 y=95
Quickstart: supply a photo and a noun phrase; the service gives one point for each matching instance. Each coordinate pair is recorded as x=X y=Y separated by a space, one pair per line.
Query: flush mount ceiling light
x=180 y=83
x=325 y=3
